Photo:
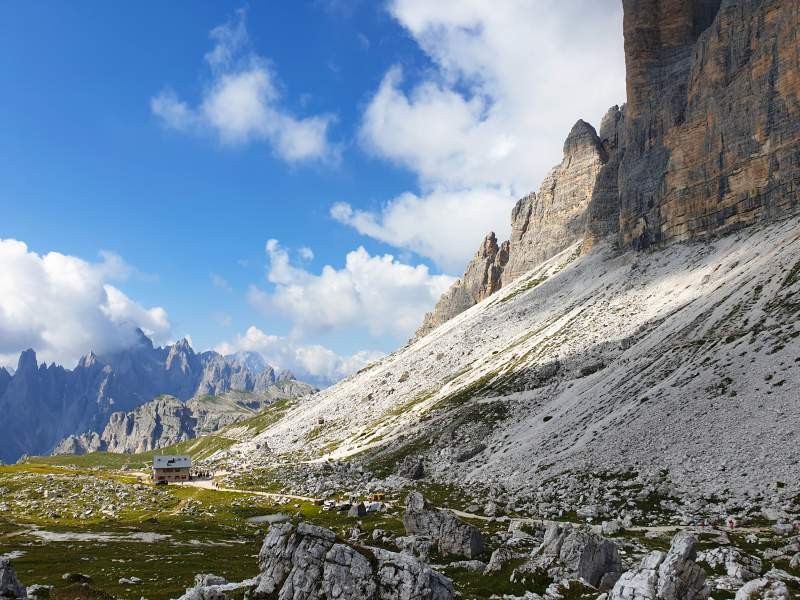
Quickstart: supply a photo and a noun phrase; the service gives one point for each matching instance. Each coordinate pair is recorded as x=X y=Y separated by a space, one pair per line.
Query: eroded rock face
x=544 y=224
x=480 y=280
x=571 y=553
x=451 y=535
x=308 y=562
x=709 y=140
x=10 y=586
x=713 y=118
x=665 y=576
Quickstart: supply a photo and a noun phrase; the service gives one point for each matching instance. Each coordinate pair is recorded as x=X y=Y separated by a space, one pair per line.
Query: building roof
x=168 y=461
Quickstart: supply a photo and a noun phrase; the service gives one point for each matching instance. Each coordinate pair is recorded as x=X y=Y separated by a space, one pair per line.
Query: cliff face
x=712 y=131
x=481 y=279
x=543 y=224
x=708 y=142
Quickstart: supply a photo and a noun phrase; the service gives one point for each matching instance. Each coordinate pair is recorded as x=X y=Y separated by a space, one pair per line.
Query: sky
x=299 y=179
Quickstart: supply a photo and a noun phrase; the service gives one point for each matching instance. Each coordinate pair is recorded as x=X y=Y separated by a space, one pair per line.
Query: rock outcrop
x=10 y=586
x=763 y=589
x=572 y=553
x=713 y=117
x=481 y=279
x=708 y=142
x=665 y=576
x=542 y=225
x=306 y=562
x=450 y=535
x=43 y=404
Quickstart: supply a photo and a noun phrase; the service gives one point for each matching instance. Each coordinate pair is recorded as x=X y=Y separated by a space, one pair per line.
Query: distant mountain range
x=40 y=405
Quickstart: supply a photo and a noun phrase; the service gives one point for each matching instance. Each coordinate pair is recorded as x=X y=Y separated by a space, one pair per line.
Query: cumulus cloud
x=487 y=118
x=62 y=306
x=375 y=293
x=442 y=225
x=309 y=362
x=243 y=102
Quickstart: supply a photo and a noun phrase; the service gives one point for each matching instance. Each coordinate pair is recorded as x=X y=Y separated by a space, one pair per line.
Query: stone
x=306 y=562
x=575 y=553
x=451 y=535
x=10 y=586
x=665 y=576
x=357 y=510
x=481 y=279
x=498 y=560
x=738 y=565
x=763 y=589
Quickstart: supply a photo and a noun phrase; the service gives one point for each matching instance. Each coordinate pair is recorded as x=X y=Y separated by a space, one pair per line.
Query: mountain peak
x=27 y=361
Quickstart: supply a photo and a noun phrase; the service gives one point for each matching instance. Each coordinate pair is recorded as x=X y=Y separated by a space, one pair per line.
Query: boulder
x=307 y=562
x=665 y=576
x=10 y=586
x=576 y=553
x=498 y=560
x=762 y=589
x=451 y=535
x=736 y=563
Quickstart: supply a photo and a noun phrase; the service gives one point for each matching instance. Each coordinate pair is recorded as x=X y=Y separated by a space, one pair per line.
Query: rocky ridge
x=166 y=420
x=43 y=404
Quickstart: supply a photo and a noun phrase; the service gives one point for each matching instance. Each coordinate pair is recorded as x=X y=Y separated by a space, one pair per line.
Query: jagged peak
x=27 y=361
x=582 y=135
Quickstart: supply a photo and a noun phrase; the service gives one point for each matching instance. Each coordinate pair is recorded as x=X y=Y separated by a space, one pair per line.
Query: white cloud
x=441 y=225
x=243 y=102
x=309 y=362
x=489 y=115
x=62 y=306
x=375 y=293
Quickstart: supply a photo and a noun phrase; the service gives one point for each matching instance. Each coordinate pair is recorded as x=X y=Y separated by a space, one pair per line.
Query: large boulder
x=451 y=535
x=763 y=589
x=576 y=553
x=10 y=586
x=665 y=576
x=306 y=562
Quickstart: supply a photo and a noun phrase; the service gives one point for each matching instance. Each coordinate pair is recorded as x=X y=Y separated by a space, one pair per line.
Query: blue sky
x=182 y=136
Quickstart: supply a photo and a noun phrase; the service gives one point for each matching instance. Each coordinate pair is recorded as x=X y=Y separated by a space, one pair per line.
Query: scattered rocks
x=451 y=535
x=575 y=553
x=761 y=589
x=411 y=468
x=307 y=561
x=665 y=576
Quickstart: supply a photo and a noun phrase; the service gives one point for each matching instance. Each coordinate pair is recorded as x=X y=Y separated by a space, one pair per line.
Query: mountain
x=641 y=319
x=166 y=420
x=43 y=404
x=707 y=144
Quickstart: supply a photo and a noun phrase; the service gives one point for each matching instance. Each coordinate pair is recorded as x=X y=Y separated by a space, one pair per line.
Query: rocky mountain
x=166 y=420
x=591 y=341
x=43 y=404
x=706 y=144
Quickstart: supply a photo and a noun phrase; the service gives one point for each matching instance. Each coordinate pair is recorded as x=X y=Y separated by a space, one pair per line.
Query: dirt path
x=208 y=484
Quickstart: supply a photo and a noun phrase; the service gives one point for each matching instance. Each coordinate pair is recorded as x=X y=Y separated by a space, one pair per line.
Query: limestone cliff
x=712 y=130
x=480 y=280
x=542 y=224
x=708 y=142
